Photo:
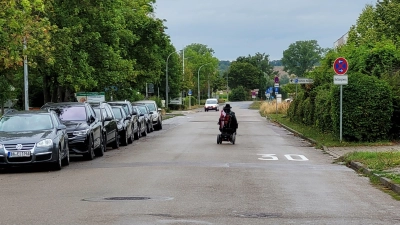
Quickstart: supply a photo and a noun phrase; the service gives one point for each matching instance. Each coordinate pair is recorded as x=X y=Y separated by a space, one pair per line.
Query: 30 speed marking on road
x=291 y=157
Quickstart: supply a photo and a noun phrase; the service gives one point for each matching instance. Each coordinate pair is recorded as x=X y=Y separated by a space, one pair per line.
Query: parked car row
x=51 y=134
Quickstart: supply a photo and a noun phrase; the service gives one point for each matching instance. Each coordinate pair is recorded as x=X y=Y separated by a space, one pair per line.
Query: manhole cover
x=259 y=215
x=126 y=198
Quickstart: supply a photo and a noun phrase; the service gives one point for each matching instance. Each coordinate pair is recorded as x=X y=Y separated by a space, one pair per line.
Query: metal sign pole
x=341 y=97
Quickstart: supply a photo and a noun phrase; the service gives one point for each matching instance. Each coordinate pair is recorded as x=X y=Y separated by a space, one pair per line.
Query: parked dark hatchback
x=124 y=125
x=109 y=123
x=127 y=106
x=141 y=121
x=83 y=128
x=148 y=115
x=31 y=137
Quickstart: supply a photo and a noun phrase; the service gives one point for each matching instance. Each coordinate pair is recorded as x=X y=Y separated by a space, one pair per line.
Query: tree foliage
x=301 y=57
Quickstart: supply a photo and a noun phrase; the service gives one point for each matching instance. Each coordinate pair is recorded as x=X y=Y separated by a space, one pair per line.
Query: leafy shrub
x=177 y=107
x=367 y=108
x=308 y=109
x=322 y=111
x=239 y=94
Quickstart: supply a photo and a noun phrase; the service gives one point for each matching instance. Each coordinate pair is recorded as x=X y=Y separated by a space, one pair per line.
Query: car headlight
x=45 y=143
x=80 y=132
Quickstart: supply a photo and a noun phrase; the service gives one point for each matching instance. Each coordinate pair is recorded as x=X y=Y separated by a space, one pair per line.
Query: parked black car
x=31 y=137
x=124 y=125
x=109 y=123
x=157 y=116
x=141 y=121
x=83 y=128
x=127 y=106
x=148 y=115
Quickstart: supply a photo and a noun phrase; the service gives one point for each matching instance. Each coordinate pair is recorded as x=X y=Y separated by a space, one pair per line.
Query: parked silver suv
x=157 y=117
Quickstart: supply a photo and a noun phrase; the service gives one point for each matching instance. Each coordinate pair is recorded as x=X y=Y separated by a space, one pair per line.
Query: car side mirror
x=134 y=113
x=61 y=127
x=159 y=109
x=141 y=114
x=108 y=118
x=128 y=117
x=151 y=112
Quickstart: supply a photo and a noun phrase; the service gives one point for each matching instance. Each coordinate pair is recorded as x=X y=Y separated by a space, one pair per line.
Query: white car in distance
x=211 y=104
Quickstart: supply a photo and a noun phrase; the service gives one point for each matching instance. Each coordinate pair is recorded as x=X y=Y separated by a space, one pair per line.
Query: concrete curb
x=354 y=165
x=385 y=181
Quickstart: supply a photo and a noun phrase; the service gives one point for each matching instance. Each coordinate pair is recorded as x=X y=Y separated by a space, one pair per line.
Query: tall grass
x=271 y=107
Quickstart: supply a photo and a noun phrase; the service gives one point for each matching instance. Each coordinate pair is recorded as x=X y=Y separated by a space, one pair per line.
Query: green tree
x=301 y=57
x=22 y=21
x=244 y=74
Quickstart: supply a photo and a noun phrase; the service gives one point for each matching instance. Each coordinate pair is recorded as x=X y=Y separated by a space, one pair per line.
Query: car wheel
x=100 y=150
x=124 y=138
x=116 y=141
x=144 y=134
x=90 y=154
x=160 y=125
x=58 y=163
x=130 y=139
x=105 y=142
x=65 y=160
x=137 y=134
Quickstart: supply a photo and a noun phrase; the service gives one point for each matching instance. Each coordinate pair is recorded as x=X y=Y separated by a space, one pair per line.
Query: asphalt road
x=181 y=176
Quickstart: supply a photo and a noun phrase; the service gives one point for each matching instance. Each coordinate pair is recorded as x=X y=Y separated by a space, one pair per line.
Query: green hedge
x=322 y=111
x=367 y=108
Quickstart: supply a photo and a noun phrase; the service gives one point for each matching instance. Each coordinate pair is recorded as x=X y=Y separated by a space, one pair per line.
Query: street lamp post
x=198 y=81
x=166 y=79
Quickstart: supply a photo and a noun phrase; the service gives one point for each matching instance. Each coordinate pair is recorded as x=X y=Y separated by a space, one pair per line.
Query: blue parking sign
x=276 y=89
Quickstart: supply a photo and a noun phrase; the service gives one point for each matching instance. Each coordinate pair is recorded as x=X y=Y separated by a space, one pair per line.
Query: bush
x=239 y=94
x=322 y=111
x=367 y=108
x=177 y=107
x=308 y=109
x=193 y=101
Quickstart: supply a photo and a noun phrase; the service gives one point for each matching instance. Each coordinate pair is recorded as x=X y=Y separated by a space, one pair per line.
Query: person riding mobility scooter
x=227 y=125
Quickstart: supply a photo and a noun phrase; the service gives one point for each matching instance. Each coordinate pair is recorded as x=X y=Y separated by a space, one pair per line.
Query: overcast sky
x=234 y=28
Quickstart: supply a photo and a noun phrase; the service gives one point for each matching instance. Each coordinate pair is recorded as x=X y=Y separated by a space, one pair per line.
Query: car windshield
x=117 y=113
x=143 y=109
x=151 y=106
x=73 y=113
x=211 y=102
x=26 y=123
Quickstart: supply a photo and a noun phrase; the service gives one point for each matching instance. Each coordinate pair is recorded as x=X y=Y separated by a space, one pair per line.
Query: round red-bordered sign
x=340 y=66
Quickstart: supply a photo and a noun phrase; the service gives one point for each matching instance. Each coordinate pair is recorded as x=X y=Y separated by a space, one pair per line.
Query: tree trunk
x=46 y=89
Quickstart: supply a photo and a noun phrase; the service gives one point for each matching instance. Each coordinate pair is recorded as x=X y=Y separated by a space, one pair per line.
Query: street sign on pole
x=276 y=79
x=276 y=85
x=340 y=79
x=340 y=66
x=190 y=92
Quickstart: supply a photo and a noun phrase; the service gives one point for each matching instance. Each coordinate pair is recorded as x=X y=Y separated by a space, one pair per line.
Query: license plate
x=16 y=154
